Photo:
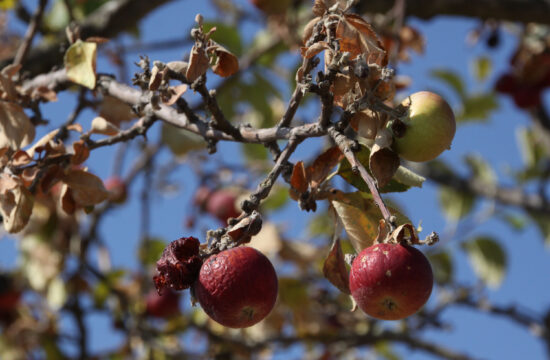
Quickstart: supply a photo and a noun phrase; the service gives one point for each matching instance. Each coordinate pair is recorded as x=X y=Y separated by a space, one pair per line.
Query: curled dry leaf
x=7 y=87
x=157 y=75
x=334 y=268
x=316 y=48
x=198 y=63
x=346 y=86
x=102 y=126
x=357 y=37
x=16 y=203
x=383 y=164
x=323 y=164
x=80 y=63
x=179 y=67
x=87 y=189
x=308 y=29
x=247 y=227
x=16 y=129
x=299 y=179
x=20 y=158
x=44 y=140
x=404 y=234
x=67 y=201
x=81 y=152
x=226 y=63
x=176 y=92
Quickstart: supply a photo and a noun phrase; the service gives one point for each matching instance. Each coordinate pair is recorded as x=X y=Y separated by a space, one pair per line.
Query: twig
x=139 y=128
x=31 y=31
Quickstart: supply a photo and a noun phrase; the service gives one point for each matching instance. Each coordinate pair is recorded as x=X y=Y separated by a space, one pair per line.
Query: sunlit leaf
x=442 y=266
x=488 y=259
x=455 y=204
x=80 y=63
x=480 y=169
x=452 y=79
x=477 y=107
x=408 y=177
x=482 y=67
x=16 y=129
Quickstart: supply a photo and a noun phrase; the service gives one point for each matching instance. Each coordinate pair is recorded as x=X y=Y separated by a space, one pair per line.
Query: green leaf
x=482 y=67
x=80 y=63
x=255 y=152
x=180 y=141
x=408 y=177
x=151 y=250
x=477 y=107
x=344 y=170
x=487 y=258
x=442 y=265
x=481 y=169
x=454 y=203
x=543 y=224
x=515 y=221
x=452 y=79
x=278 y=197
x=530 y=147
x=226 y=35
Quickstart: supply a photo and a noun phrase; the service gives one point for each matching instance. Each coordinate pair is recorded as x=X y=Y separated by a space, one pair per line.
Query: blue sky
x=477 y=334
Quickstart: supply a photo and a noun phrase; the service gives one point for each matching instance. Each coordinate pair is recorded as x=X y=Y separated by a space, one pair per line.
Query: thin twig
x=31 y=31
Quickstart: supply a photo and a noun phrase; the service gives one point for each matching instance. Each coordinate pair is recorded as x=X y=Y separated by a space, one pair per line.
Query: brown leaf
x=247 y=227
x=115 y=111
x=21 y=158
x=11 y=70
x=81 y=152
x=157 y=76
x=179 y=67
x=298 y=179
x=226 y=63
x=177 y=91
x=97 y=39
x=405 y=234
x=321 y=167
x=75 y=127
x=334 y=268
x=383 y=163
x=308 y=29
x=198 y=63
x=87 y=189
x=382 y=231
x=309 y=52
x=320 y=7
x=15 y=206
x=16 y=129
x=366 y=123
x=67 y=201
x=357 y=37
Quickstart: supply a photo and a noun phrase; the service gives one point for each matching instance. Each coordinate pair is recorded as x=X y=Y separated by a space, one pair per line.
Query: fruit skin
x=390 y=281
x=221 y=204
x=430 y=127
x=237 y=287
x=162 y=306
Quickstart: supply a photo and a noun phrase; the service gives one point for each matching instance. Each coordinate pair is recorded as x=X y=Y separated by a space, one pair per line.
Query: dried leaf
x=75 y=127
x=179 y=67
x=16 y=129
x=81 y=152
x=198 y=63
x=102 y=126
x=321 y=167
x=87 y=189
x=334 y=268
x=298 y=179
x=226 y=63
x=383 y=163
x=359 y=218
x=247 y=227
x=115 y=111
x=156 y=78
x=16 y=205
x=308 y=29
x=405 y=234
x=358 y=35
x=67 y=201
x=44 y=140
x=21 y=158
x=80 y=63
x=11 y=70
x=177 y=91
x=309 y=52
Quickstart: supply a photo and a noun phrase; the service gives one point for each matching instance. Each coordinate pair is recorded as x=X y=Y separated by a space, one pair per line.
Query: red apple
x=430 y=127
x=237 y=287
x=201 y=196
x=390 y=281
x=117 y=189
x=221 y=204
x=162 y=306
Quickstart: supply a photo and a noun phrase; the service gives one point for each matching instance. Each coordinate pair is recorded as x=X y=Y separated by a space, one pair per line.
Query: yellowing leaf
x=16 y=203
x=359 y=219
x=86 y=189
x=80 y=63
x=16 y=129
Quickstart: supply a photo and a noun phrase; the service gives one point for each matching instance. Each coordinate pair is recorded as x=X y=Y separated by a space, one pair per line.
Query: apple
x=237 y=287
x=390 y=281
x=117 y=189
x=221 y=204
x=429 y=127
x=162 y=306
